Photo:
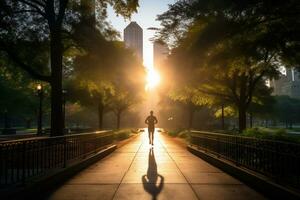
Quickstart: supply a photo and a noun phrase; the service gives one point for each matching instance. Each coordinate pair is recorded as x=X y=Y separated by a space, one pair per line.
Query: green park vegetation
x=123 y=134
x=271 y=134
x=277 y=134
x=65 y=45
x=184 y=134
x=222 y=54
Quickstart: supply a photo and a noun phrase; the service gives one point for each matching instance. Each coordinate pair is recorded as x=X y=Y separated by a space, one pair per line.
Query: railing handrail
x=244 y=137
x=23 y=159
x=277 y=160
x=54 y=137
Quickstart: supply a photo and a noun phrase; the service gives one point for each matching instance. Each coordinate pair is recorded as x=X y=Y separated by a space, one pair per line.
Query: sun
x=153 y=79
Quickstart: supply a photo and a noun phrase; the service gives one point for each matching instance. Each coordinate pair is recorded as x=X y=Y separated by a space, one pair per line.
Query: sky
x=145 y=17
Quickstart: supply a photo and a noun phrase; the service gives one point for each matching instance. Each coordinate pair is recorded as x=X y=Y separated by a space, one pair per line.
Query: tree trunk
x=6 y=120
x=28 y=123
x=100 y=116
x=223 y=119
x=251 y=119
x=242 y=119
x=242 y=105
x=118 y=119
x=56 y=84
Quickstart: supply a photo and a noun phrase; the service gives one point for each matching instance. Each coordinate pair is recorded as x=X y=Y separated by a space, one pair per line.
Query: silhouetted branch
x=22 y=65
x=35 y=6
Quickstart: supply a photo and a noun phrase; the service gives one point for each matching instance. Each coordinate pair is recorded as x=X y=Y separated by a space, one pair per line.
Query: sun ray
x=152 y=80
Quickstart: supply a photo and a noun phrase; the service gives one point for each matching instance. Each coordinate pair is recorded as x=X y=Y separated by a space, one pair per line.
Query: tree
x=92 y=95
x=262 y=105
x=192 y=100
x=50 y=22
x=128 y=82
x=18 y=96
x=120 y=102
x=108 y=72
x=234 y=42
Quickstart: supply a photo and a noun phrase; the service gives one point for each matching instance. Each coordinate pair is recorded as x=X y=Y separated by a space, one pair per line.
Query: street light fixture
x=40 y=93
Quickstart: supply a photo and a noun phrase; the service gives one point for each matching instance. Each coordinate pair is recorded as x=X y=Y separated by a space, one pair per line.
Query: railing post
x=218 y=146
x=236 y=151
x=23 y=162
x=65 y=152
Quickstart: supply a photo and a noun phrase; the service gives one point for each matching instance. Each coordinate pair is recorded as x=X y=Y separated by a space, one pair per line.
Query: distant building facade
x=160 y=54
x=133 y=38
x=288 y=84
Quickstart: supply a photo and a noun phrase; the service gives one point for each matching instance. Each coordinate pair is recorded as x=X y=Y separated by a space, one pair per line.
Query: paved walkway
x=166 y=172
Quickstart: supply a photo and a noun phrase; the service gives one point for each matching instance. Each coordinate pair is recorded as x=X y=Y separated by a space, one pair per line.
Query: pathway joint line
x=179 y=170
x=127 y=169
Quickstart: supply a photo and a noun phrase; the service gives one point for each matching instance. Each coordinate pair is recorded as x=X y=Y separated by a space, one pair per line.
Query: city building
x=160 y=54
x=133 y=38
x=288 y=84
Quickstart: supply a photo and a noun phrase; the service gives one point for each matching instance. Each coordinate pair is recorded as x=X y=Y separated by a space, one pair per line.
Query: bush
x=184 y=134
x=122 y=134
x=173 y=133
x=135 y=131
x=279 y=135
x=255 y=132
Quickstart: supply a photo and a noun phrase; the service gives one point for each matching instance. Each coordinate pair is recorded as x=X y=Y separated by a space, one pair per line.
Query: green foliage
x=122 y=134
x=227 y=49
x=228 y=112
x=18 y=94
x=178 y=133
x=173 y=133
x=184 y=134
x=263 y=133
x=188 y=95
x=34 y=32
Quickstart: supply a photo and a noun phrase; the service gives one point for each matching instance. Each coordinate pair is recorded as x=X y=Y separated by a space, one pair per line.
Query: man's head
x=151 y=112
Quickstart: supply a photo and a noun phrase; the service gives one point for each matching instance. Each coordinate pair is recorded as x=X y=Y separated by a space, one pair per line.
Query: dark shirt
x=151 y=121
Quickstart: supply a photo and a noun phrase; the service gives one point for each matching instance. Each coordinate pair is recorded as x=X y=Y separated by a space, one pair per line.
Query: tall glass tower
x=133 y=38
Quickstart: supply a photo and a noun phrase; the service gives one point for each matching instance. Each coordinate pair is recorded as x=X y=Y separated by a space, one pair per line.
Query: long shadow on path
x=153 y=182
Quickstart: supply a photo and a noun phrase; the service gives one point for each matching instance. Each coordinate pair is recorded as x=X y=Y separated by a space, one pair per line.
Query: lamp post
x=64 y=93
x=40 y=114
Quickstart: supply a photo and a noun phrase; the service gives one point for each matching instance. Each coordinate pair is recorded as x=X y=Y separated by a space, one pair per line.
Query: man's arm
x=156 y=121
x=146 y=120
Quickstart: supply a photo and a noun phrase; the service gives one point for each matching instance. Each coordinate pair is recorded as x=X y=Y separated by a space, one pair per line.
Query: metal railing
x=274 y=159
x=24 y=159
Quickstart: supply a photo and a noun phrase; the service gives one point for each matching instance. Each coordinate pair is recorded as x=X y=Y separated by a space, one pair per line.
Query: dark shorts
x=151 y=129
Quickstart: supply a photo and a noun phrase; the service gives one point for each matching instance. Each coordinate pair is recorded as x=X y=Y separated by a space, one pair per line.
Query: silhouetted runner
x=151 y=121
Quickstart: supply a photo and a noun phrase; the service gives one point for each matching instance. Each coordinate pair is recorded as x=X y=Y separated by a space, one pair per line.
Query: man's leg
x=152 y=136
x=149 y=135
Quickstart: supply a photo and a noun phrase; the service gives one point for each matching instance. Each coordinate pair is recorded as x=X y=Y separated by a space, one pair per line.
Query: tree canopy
x=51 y=24
x=227 y=49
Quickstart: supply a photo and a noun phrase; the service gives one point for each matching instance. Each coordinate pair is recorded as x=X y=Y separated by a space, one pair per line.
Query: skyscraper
x=133 y=38
x=160 y=54
x=288 y=84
